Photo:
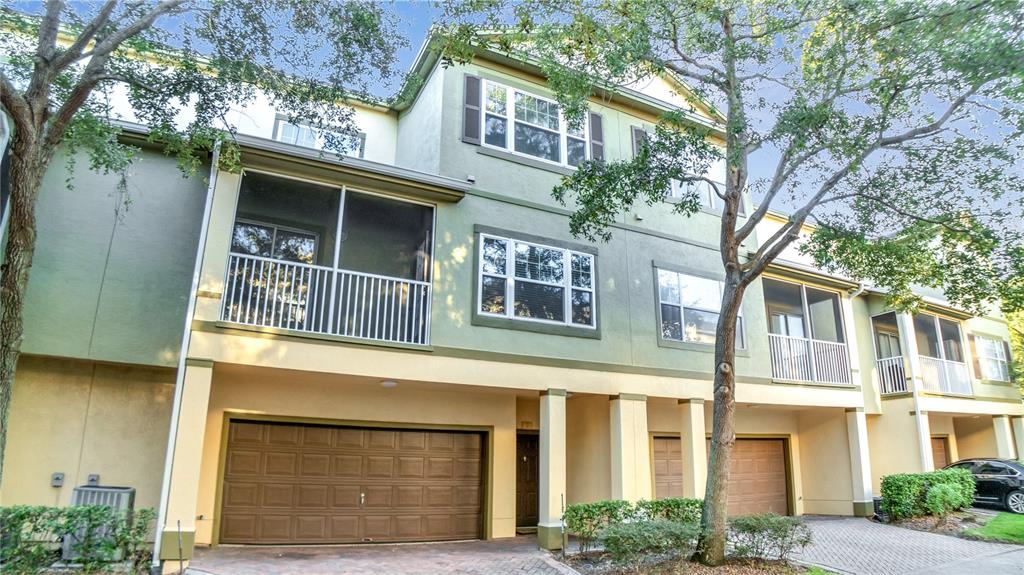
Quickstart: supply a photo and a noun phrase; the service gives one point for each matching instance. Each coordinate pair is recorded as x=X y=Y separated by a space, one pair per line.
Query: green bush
x=904 y=494
x=941 y=500
x=31 y=537
x=586 y=520
x=631 y=543
x=673 y=509
x=767 y=536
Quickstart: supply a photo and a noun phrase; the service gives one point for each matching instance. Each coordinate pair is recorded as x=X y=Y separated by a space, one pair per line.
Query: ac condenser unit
x=120 y=498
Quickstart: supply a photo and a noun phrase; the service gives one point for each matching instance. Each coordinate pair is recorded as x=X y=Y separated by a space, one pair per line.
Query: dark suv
x=999 y=481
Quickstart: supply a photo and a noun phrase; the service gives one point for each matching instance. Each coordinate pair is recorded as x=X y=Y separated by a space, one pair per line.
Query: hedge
x=905 y=494
x=587 y=520
x=632 y=543
x=101 y=536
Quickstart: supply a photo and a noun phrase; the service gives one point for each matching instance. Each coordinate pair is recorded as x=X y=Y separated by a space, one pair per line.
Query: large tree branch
x=74 y=52
x=37 y=93
x=112 y=42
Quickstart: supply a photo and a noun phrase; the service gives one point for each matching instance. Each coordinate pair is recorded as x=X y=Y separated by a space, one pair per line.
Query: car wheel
x=1015 y=501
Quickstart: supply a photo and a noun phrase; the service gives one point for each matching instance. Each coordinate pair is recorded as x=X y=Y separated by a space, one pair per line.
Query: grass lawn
x=1005 y=527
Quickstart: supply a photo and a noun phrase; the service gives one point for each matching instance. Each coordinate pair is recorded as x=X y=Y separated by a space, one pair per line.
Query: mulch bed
x=598 y=563
x=953 y=525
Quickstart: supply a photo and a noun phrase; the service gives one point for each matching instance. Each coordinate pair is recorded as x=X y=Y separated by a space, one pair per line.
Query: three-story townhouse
x=407 y=344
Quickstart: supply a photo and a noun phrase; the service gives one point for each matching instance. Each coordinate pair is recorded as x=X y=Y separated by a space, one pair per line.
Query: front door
x=527 y=479
x=940 y=452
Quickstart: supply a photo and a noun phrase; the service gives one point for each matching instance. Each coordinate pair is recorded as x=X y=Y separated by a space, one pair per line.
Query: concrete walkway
x=859 y=546
x=518 y=556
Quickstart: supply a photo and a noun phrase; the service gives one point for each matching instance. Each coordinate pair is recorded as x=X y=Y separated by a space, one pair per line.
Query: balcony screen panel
x=927 y=339
x=309 y=212
x=783 y=298
x=951 y=342
x=386 y=237
x=540 y=301
x=826 y=321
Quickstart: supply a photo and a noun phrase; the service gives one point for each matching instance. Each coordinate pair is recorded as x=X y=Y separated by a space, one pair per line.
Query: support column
x=552 y=468
x=630 y=448
x=183 y=489
x=1004 y=437
x=1017 y=424
x=694 y=448
x=908 y=337
x=860 y=462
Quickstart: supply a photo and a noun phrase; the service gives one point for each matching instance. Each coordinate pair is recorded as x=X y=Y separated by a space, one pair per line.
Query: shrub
x=630 y=543
x=767 y=536
x=941 y=499
x=586 y=520
x=904 y=494
x=100 y=535
x=673 y=509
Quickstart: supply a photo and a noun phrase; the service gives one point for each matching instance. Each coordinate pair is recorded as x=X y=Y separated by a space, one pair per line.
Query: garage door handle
x=362 y=499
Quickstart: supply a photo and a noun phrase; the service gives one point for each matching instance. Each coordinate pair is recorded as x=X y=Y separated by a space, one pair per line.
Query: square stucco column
x=183 y=490
x=552 y=468
x=1004 y=437
x=860 y=462
x=694 y=447
x=1017 y=424
x=630 y=448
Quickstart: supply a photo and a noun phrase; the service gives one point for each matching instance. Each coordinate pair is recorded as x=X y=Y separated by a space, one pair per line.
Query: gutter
x=179 y=381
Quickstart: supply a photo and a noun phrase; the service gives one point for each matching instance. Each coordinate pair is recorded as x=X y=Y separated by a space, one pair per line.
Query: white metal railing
x=813 y=360
x=317 y=299
x=944 y=376
x=891 y=376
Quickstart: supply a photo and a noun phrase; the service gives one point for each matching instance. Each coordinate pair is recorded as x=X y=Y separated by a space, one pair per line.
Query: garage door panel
x=292 y=483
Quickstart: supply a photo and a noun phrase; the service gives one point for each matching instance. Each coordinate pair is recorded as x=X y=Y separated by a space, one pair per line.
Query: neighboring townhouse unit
x=408 y=344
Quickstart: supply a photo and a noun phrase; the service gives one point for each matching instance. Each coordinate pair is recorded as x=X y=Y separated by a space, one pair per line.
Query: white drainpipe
x=179 y=383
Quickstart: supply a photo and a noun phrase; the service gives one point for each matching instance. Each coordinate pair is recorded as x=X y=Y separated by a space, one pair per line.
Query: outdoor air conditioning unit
x=120 y=498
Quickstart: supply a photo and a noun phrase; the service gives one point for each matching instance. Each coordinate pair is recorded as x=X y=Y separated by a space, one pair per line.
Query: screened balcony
x=941 y=351
x=806 y=337
x=889 y=365
x=312 y=258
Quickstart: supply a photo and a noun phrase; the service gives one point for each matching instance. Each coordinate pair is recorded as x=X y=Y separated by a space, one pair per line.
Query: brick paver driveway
x=859 y=546
x=518 y=556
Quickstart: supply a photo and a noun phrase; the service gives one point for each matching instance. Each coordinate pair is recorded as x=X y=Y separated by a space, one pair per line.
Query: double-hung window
x=993 y=358
x=689 y=307
x=527 y=124
x=533 y=282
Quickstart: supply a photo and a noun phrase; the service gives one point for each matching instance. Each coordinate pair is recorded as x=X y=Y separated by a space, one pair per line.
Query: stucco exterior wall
x=975 y=436
x=311 y=395
x=80 y=418
x=824 y=446
x=587 y=449
x=893 y=441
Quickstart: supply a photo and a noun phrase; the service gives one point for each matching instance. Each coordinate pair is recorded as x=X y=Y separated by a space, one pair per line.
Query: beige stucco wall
x=588 y=448
x=298 y=394
x=80 y=418
x=941 y=425
x=824 y=446
x=893 y=440
x=975 y=436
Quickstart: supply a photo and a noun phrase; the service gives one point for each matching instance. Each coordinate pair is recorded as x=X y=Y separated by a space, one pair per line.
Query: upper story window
x=938 y=338
x=689 y=307
x=993 y=358
x=530 y=125
x=803 y=312
x=533 y=282
x=309 y=137
x=705 y=192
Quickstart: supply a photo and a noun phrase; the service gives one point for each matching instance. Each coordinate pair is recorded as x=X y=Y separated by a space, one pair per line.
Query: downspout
x=179 y=381
x=860 y=289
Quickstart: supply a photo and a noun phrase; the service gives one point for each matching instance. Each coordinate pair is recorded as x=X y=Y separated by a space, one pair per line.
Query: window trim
x=510 y=122
x=273 y=238
x=1001 y=345
x=741 y=351
x=280 y=121
x=511 y=279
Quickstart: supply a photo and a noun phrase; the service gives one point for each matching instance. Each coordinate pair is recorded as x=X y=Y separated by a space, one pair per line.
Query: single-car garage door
x=757 y=476
x=289 y=483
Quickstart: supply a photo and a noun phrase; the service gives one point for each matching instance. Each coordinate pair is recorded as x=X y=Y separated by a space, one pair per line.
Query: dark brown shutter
x=1009 y=365
x=596 y=137
x=639 y=135
x=471 y=110
x=972 y=339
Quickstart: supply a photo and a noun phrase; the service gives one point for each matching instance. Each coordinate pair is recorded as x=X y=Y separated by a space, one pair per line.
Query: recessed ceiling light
x=389 y=383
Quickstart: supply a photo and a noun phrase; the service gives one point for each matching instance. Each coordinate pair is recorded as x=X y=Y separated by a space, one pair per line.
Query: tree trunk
x=711 y=543
x=27 y=167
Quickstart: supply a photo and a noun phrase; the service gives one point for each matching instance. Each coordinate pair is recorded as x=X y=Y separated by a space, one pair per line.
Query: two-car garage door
x=757 y=474
x=289 y=483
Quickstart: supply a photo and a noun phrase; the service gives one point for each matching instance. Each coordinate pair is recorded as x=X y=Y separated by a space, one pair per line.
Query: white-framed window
x=689 y=308
x=992 y=358
x=530 y=125
x=533 y=282
x=309 y=137
x=254 y=238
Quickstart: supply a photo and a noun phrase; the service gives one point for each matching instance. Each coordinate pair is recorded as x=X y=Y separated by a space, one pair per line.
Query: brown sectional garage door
x=757 y=476
x=289 y=483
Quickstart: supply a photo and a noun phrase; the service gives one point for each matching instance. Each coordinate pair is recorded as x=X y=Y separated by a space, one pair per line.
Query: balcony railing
x=944 y=376
x=811 y=360
x=891 y=377
x=273 y=293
